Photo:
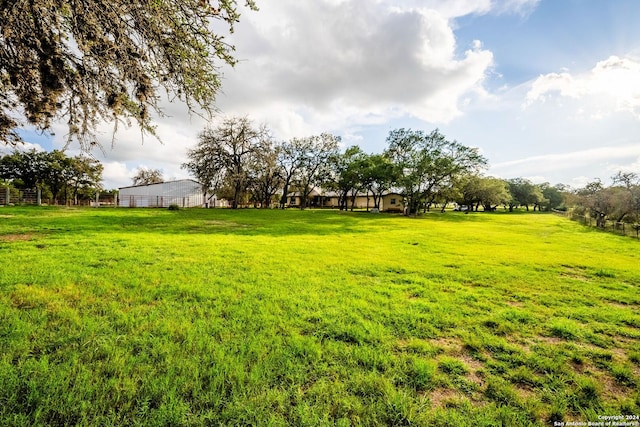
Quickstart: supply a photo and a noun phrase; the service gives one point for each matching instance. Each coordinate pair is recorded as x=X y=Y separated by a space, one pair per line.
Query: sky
x=549 y=90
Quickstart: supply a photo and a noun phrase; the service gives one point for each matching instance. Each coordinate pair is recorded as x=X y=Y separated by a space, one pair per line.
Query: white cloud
x=605 y=159
x=26 y=146
x=451 y=9
x=519 y=7
x=330 y=64
x=613 y=85
x=115 y=174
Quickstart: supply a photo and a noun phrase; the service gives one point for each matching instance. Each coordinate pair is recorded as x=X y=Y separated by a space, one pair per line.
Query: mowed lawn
x=249 y=317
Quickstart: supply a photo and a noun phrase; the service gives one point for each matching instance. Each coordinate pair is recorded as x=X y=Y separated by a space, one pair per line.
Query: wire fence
x=620 y=228
x=13 y=196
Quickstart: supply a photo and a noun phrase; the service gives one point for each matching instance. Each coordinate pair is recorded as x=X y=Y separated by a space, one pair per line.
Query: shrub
x=174 y=207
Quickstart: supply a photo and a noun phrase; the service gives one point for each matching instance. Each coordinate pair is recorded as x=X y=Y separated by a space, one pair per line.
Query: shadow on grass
x=268 y=222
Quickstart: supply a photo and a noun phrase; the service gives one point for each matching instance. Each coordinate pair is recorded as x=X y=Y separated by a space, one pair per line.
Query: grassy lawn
x=216 y=317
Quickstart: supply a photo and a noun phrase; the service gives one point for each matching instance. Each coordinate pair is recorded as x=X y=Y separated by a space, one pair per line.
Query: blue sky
x=548 y=89
x=557 y=34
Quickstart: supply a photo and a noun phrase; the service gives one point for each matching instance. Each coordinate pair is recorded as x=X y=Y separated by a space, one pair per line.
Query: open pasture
x=248 y=317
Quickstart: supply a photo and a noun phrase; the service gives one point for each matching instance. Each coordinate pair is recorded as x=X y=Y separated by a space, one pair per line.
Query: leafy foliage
x=146 y=176
x=92 y=61
x=618 y=202
x=315 y=164
x=429 y=162
x=225 y=155
x=63 y=178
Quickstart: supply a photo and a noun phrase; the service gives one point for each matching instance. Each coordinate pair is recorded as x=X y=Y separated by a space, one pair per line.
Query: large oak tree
x=226 y=155
x=91 y=61
x=428 y=162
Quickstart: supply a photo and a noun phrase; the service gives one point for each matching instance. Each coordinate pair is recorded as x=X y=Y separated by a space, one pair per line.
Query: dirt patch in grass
x=17 y=237
x=553 y=341
x=575 y=272
x=513 y=303
x=620 y=305
x=611 y=389
x=452 y=346
x=475 y=368
x=444 y=398
x=230 y=224
x=524 y=392
x=455 y=348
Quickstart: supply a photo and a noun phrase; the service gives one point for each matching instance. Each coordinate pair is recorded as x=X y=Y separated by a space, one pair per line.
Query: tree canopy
x=225 y=154
x=94 y=60
x=429 y=162
x=146 y=176
x=62 y=178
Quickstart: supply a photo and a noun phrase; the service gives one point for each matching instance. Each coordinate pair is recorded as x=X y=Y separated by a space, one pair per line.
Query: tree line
x=244 y=164
x=60 y=178
x=618 y=202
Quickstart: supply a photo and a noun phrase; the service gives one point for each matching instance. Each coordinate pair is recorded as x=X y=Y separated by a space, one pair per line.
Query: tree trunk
x=285 y=192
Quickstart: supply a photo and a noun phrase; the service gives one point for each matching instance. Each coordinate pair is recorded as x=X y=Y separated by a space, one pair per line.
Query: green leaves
x=67 y=59
x=429 y=162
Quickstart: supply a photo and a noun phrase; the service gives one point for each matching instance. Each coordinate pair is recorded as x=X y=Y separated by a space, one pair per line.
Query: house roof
x=160 y=183
x=319 y=192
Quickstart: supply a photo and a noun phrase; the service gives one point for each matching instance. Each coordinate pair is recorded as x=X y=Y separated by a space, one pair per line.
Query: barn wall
x=184 y=193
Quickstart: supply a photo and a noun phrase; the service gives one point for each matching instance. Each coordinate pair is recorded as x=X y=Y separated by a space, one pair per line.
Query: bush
x=174 y=207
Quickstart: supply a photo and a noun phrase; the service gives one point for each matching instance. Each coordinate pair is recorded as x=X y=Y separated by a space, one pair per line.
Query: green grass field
x=220 y=317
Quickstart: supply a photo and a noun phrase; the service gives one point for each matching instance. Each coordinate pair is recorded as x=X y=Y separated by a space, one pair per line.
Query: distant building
x=391 y=201
x=185 y=193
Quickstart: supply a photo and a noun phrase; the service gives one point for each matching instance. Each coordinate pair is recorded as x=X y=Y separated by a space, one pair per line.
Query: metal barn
x=186 y=193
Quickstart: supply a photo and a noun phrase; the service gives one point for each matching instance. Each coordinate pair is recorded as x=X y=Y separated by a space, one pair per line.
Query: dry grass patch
x=445 y=398
x=21 y=237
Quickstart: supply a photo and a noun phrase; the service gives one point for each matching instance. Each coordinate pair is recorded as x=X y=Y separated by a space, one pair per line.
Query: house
x=390 y=202
x=317 y=199
x=185 y=193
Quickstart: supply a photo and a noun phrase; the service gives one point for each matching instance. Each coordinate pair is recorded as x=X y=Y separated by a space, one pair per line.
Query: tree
x=24 y=169
x=146 y=176
x=552 y=196
x=314 y=168
x=428 y=163
x=523 y=193
x=348 y=168
x=378 y=176
x=58 y=174
x=94 y=61
x=265 y=175
x=618 y=202
x=62 y=178
x=630 y=181
x=488 y=192
x=85 y=177
x=224 y=155
x=592 y=198
x=290 y=157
